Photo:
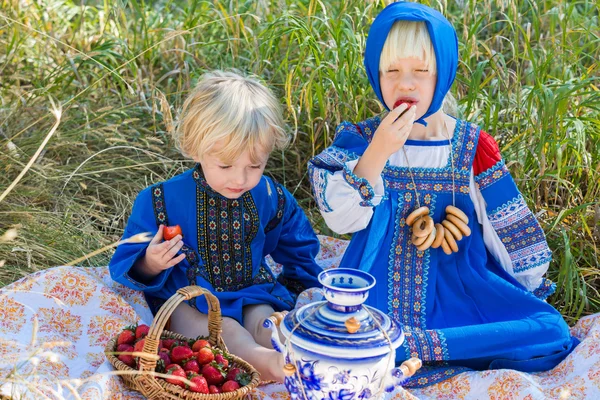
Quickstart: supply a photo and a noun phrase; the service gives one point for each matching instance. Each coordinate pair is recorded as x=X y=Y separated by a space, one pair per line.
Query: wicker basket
x=143 y=381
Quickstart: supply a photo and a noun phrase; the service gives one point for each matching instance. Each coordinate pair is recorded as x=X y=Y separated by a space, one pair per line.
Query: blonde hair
x=238 y=111
x=408 y=39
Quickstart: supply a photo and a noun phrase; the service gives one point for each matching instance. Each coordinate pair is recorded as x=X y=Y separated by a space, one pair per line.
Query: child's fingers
x=159 y=235
x=405 y=118
x=173 y=250
x=175 y=261
x=395 y=113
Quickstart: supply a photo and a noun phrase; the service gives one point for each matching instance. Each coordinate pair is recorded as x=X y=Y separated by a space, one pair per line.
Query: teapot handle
x=273 y=323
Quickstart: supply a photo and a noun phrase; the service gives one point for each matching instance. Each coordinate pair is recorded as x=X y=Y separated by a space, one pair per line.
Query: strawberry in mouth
x=409 y=101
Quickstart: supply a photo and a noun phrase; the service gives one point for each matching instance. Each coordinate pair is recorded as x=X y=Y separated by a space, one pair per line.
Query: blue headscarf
x=443 y=37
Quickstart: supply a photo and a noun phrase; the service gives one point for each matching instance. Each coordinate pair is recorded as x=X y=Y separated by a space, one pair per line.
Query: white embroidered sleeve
x=531 y=278
x=348 y=201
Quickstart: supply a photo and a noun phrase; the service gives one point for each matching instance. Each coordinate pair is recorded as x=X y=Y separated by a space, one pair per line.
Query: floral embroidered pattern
x=12 y=315
x=71 y=289
x=457 y=387
x=263 y=275
x=429 y=345
x=158 y=203
x=64 y=321
x=432 y=373
x=407 y=271
x=223 y=245
x=321 y=167
x=440 y=180
x=521 y=234
x=102 y=328
x=362 y=185
x=280 y=208
x=492 y=175
x=506 y=385
x=546 y=288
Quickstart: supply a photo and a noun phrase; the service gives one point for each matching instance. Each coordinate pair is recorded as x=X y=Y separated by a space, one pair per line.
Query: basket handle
x=215 y=321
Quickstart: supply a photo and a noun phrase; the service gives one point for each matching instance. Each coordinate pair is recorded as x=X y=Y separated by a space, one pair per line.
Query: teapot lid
x=342 y=326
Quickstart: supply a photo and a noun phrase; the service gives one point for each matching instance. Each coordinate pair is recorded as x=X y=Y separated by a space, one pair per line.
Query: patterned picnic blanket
x=55 y=323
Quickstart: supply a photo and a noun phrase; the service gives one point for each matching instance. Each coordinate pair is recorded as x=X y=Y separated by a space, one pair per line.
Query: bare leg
x=254 y=316
x=191 y=323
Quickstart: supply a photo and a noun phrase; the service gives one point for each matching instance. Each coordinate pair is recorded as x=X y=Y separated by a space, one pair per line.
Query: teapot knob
x=289 y=369
x=352 y=325
x=277 y=317
x=410 y=366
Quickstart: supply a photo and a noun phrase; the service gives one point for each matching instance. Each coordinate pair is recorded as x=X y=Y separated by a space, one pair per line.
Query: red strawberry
x=164 y=355
x=126 y=337
x=212 y=374
x=200 y=343
x=127 y=359
x=205 y=356
x=141 y=331
x=230 y=386
x=221 y=360
x=192 y=365
x=180 y=353
x=199 y=384
x=213 y=389
x=124 y=348
x=175 y=371
x=139 y=345
x=241 y=377
x=169 y=343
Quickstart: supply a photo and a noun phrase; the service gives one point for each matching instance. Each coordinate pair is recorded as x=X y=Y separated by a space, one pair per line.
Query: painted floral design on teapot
x=340 y=348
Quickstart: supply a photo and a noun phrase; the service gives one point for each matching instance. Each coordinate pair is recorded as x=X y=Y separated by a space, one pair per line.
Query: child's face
x=231 y=180
x=407 y=80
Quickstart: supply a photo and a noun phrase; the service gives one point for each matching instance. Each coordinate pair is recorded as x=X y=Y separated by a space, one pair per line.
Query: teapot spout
x=272 y=323
x=403 y=372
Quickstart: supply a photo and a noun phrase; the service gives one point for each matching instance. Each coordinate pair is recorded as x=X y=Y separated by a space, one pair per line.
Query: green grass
x=120 y=70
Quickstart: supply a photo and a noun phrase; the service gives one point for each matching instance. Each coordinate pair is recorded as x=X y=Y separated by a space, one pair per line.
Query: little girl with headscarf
x=436 y=216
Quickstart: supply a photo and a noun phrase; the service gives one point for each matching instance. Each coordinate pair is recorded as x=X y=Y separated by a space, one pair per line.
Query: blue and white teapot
x=340 y=348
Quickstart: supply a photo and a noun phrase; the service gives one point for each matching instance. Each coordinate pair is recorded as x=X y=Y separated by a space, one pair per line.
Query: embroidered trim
x=428 y=345
x=439 y=180
x=320 y=168
x=521 y=235
x=263 y=275
x=368 y=127
x=158 y=204
x=280 y=209
x=221 y=226
x=492 y=175
x=430 y=374
x=347 y=127
x=546 y=288
x=160 y=213
x=362 y=185
x=408 y=268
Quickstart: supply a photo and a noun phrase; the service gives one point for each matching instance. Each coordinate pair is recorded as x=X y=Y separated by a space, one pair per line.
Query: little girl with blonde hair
x=436 y=216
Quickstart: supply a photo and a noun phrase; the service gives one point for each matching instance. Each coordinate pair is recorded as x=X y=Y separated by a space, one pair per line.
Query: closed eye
x=224 y=166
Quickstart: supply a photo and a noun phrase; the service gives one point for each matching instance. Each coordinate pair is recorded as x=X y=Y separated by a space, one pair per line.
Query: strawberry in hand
x=172 y=231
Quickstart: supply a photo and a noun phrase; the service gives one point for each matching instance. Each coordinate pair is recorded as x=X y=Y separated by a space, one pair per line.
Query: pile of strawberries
x=205 y=367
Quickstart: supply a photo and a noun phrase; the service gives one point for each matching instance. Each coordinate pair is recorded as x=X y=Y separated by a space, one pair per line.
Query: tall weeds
x=119 y=70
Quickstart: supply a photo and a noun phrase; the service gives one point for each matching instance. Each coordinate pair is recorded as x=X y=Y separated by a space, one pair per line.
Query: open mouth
x=409 y=102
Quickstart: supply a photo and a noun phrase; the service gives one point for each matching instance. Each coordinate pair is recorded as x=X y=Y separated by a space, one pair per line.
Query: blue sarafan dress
x=226 y=242
x=479 y=308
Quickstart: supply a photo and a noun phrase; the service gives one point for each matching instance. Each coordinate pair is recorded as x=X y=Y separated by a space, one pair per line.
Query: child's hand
x=392 y=133
x=160 y=255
